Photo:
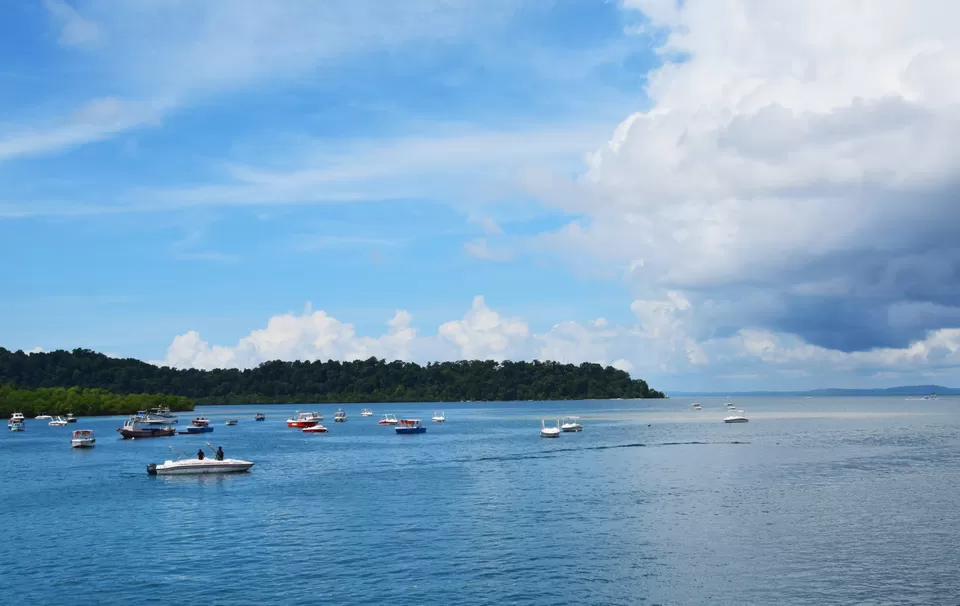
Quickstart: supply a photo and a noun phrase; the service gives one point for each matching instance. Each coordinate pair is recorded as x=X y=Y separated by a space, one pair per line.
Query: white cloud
x=657 y=347
x=74 y=29
x=798 y=149
x=479 y=249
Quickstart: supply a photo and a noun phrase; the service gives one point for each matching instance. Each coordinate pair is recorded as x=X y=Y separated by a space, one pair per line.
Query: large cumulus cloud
x=796 y=171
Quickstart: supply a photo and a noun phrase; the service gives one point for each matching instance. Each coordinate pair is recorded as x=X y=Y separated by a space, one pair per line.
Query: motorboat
x=366 y=412
x=158 y=416
x=83 y=438
x=340 y=416
x=571 y=424
x=57 y=422
x=183 y=466
x=231 y=422
x=18 y=426
x=438 y=417
x=260 y=417
x=730 y=406
x=736 y=417
x=15 y=418
x=133 y=428
x=42 y=417
x=410 y=426
x=388 y=419
x=549 y=432
x=70 y=418
x=199 y=425
x=305 y=419
x=696 y=406
x=315 y=429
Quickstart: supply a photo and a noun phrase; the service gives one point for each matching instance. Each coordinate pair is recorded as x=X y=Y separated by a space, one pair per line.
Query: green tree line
x=83 y=402
x=371 y=380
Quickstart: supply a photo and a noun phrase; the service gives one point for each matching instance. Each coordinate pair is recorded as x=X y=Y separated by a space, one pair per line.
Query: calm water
x=815 y=501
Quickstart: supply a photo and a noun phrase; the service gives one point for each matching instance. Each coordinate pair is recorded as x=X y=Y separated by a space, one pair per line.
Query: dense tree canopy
x=82 y=402
x=370 y=380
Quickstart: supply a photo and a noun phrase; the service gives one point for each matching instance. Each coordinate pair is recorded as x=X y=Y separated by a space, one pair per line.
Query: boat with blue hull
x=410 y=426
x=196 y=429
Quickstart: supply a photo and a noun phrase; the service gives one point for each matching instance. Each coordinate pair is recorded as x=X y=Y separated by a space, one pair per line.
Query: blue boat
x=197 y=429
x=410 y=426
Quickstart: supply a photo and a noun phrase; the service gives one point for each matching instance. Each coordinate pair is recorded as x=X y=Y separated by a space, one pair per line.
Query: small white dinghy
x=184 y=466
x=549 y=432
x=736 y=417
x=58 y=422
x=366 y=412
x=438 y=417
x=571 y=424
x=83 y=438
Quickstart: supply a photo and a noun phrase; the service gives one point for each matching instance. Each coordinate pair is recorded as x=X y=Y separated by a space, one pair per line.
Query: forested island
x=82 y=402
x=371 y=380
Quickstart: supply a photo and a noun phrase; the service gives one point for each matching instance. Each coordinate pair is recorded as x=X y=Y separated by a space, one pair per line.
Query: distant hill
x=904 y=390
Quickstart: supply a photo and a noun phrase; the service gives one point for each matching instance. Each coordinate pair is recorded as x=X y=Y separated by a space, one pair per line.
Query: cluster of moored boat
x=736 y=415
x=309 y=422
x=564 y=425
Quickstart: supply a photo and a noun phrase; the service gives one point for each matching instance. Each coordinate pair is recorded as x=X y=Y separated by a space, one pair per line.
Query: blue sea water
x=814 y=501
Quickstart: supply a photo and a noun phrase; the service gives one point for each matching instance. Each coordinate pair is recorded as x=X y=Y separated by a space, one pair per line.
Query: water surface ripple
x=815 y=501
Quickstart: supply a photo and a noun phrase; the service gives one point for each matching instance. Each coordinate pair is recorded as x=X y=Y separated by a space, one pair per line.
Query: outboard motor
x=152 y=469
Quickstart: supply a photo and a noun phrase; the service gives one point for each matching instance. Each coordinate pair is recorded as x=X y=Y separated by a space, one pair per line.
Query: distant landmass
x=904 y=390
x=371 y=380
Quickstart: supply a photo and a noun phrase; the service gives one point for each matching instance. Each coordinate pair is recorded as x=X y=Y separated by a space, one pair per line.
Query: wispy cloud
x=75 y=30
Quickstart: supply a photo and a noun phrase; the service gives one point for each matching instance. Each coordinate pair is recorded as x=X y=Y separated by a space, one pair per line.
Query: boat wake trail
x=554 y=452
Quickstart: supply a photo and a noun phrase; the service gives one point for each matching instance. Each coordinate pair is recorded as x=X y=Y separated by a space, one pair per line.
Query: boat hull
x=153 y=432
x=197 y=467
x=301 y=424
x=83 y=443
x=193 y=430
x=572 y=429
x=549 y=434
x=404 y=430
x=735 y=420
x=314 y=429
x=16 y=427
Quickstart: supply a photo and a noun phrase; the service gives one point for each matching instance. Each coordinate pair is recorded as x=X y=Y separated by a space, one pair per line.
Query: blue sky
x=640 y=183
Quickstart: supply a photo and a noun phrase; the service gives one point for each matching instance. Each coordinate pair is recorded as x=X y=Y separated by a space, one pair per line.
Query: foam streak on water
x=823 y=501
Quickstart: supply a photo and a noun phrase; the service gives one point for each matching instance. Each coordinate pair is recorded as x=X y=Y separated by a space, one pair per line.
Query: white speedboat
x=43 y=417
x=70 y=418
x=549 y=432
x=366 y=412
x=696 y=406
x=340 y=416
x=15 y=418
x=83 y=438
x=569 y=424
x=18 y=426
x=197 y=466
x=388 y=419
x=231 y=422
x=58 y=422
x=438 y=417
x=730 y=406
x=736 y=417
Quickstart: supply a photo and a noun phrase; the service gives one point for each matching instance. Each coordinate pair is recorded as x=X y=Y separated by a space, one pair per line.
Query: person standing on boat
x=219 y=453
x=200 y=454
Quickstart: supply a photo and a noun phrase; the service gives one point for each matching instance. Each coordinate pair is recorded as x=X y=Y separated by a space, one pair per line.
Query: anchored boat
x=58 y=422
x=314 y=429
x=410 y=426
x=305 y=419
x=388 y=419
x=438 y=417
x=570 y=424
x=340 y=416
x=132 y=428
x=549 y=432
x=260 y=417
x=366 y=412
x=83 y=438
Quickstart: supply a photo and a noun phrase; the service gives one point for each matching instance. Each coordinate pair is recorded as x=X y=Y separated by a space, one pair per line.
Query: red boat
x=314 y=429
x=305 y=419
x=134 y=429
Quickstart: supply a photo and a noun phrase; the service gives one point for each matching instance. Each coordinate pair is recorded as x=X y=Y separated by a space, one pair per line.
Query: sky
x=710 y=194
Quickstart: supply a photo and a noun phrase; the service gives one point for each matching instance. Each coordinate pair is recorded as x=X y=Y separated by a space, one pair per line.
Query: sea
x=843 y=500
